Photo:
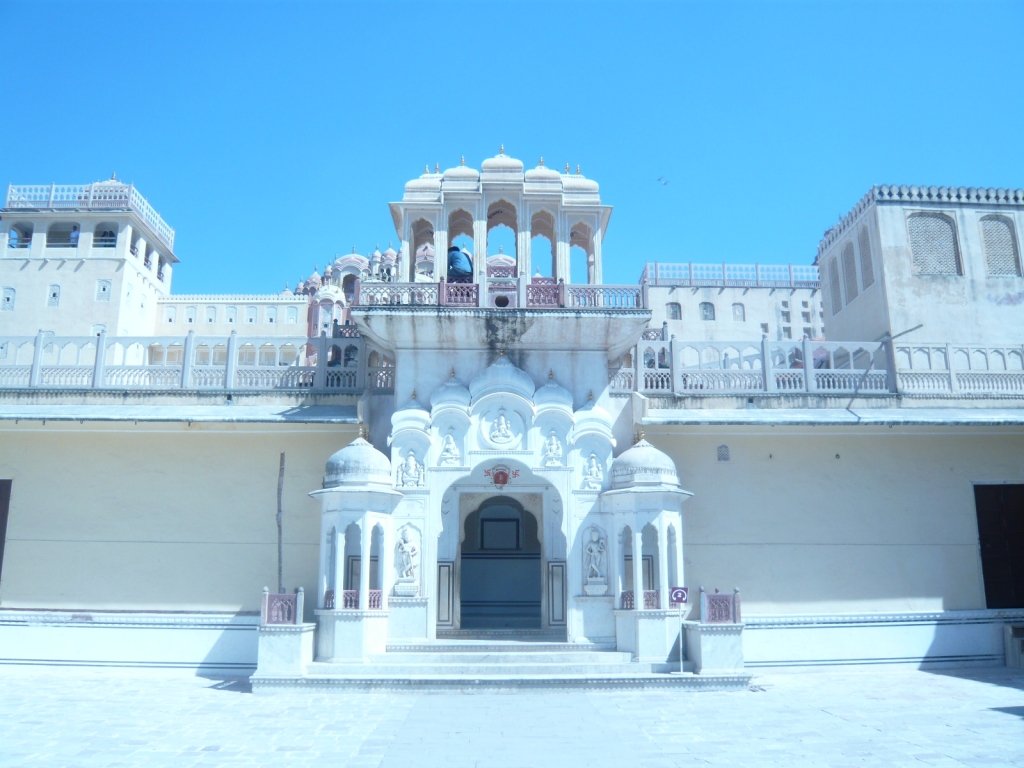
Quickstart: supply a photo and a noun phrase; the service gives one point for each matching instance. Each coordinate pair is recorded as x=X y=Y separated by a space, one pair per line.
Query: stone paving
x=69 y=717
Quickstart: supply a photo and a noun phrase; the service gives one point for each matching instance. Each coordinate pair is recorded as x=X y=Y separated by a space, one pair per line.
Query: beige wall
x=888 y=526
x=163 y=517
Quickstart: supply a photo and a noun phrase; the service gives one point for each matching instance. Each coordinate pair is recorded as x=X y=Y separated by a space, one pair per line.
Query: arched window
x=63 y=235
x=211 y=314
x=867 y=264
x=649 y=358
x=933 y=244
x=231 y=314
x=292 y=315
x=673 y=311
x=271 y=314
x=833 y=282
x=351 y=356
x=103 y=290
x=850 y=272
x=190 y=315
x=663 y=358
x=707 y=310
x=723 y=453
x=20 y=236
x=170 y=314
x=739 y=313
x=348 y=286
x=251 y=314
x=104 y=235
x=7 y=303
x=1001 y=253
x=53 y=296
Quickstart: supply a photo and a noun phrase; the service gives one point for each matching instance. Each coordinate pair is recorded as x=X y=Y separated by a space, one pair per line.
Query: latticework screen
x=867 y=264
x=1000 y=246
x=850 y=272
x=933 y=244
x=833 y=280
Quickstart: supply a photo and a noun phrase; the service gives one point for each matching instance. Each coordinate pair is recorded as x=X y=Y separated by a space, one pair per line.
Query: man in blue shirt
x=460 y=268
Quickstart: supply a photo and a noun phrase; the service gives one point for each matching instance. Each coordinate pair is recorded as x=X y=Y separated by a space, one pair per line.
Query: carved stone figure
x=552 y=451
x=501 y=431
x=449 y=451
x=406 y=563
x=593 y=474
x=595 y=575
x=410 y=472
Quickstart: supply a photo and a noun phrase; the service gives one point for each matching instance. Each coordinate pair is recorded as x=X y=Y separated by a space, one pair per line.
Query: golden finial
x=501 y=351
x=591 y=395
x=499 y=249
x=639 y=435
x=578 y=170
x=426 y=168
x=353 y=249
x=463 y=160
x=437 y=167
x=113 y=176
x=453 y=371
x=551 y=375
x=566 y=169
x=502 y=150
x=362 y=431
x=541 y=163
x=414 y=394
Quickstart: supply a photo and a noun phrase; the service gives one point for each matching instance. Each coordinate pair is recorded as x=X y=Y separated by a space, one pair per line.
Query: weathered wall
x=889 y=525
x=159 y=517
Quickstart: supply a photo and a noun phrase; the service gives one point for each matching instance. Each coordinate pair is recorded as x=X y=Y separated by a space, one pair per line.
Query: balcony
x=723 y=275
x=99 y=196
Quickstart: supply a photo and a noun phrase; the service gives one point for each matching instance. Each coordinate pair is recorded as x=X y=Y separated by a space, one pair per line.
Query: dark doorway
x=500 y=583
x=1001 y=535
x=5 y=507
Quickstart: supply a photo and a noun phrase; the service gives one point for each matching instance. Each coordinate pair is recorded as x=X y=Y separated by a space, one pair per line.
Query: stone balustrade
x=722 y=275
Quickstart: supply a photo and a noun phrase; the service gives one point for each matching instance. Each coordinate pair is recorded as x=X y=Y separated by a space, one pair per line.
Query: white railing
x=840 y=368
x=234 y=363
x=100 y=196
x=739 y=275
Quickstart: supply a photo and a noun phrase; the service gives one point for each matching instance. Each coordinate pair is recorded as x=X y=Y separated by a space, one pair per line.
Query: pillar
x=598 y=267
x=679 y=574
x=338 y=561
x=479 y=251
x=638 y=569
x=365 y=542
x=440 y=253
x=662 y=563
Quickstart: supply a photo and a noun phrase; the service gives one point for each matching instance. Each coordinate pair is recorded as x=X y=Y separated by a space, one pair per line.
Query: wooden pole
x=280 y=488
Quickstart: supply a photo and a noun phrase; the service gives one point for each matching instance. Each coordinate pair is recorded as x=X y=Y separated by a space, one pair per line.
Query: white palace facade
x=386 y=477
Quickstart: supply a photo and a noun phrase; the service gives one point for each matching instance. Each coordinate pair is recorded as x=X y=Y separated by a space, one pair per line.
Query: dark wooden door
x=1001 y=535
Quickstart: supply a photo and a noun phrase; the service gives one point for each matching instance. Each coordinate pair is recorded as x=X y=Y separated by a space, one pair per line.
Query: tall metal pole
x=280 y=487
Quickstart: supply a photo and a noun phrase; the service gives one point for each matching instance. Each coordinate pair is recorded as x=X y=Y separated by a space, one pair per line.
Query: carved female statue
x=449 y=450
x=552 y=451
x=593 y=555
x=593 y=475
x=405 y=560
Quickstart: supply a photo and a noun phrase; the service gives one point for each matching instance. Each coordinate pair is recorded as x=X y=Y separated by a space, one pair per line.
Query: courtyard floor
x=70 y=717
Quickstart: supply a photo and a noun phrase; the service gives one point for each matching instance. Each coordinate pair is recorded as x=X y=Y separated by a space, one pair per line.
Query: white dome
x=643 y=465
x=552 y=395
x=462 y=173
x=451 y=393
x=543 y=173
x=501 y=376
x=501 y=163
x=579 y=184
x=358 y=463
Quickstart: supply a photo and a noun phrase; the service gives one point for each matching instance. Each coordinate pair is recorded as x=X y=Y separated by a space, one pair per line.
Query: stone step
x=376 y=683
x=489 y=646
x=318 y=669
x=502 y=656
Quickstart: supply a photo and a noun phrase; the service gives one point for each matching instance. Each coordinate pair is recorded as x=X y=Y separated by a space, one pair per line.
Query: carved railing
x=281 y=608
x=166 y=363
x=350 y=599
x=397 y=294
x=603 y=297
x=952 y=369
x=739 y=275
x=543 y=296
x=380 y=378
x=652 y=600
x=719 y=609
x=460 y=294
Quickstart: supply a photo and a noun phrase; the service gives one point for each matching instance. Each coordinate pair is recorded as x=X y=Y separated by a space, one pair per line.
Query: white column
x=339 y=567
x=680 y=580
x=662 y=562
x=638 y=569
x=598 y=266
x=479 y=251
x=440 y=253
x=365 y=541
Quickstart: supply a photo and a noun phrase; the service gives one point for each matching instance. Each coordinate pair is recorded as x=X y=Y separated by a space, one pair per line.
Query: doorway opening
x=500 y=581
x=1001 y=536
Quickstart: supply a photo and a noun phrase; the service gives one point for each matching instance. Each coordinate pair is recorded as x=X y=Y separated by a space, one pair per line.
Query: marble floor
x=70 y=717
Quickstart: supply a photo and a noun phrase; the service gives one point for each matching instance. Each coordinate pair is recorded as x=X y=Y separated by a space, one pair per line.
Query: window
x=764 y=327
x=807 y=333
x=231 y=314
x=673 y=311
x=211 y=314
x=785 y=316
x=805 y=316
x=1001 y=254
x=933 y=244
x=804 y=304
x=250 y=315
x=833 y=282
x=867 y=264
x=707 y=310
x=103 y=290
x=190 y=315
x=20 y=236
x=723 y=453
x=787 y=332
x=785 y=304
x=170 y=314
x=293 y=315
x=53 y=296
x=850 y=272
x=7 y=304
x=271 y=314
x=739 y=313
x=62 y=235
x=105 y=235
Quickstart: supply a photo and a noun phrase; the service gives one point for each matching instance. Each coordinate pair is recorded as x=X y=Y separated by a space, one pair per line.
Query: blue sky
x=273 y=135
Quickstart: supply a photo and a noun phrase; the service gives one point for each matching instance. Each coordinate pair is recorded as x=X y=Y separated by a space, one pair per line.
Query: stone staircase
x=497 y=662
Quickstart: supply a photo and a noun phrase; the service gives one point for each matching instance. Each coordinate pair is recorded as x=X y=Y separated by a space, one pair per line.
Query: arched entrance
x=500 y=567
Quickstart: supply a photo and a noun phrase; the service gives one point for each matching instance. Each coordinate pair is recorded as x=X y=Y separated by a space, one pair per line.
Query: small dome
x=579 y=184
x=390 y=253
x=358 y=463
x=501 y=163
x=462 y=173
x=543 y=173
x=552 y=395
x=313 y=281
x=501 y=376
x=641 y=465
x=426 y=183
x=451 y=393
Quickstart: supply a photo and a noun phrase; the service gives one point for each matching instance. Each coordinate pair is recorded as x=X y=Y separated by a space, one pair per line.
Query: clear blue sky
x=273 y=135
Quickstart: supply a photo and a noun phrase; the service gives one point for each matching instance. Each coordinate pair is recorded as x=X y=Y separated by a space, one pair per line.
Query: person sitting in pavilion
x=460 y=268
